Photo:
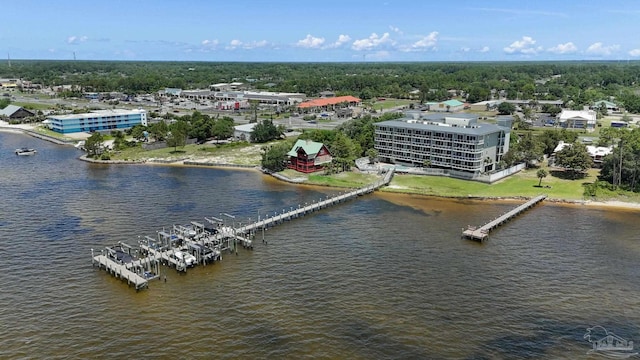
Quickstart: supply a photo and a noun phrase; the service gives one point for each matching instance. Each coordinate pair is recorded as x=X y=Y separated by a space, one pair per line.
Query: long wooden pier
x=278 y=218
x=481 y=233
x=138 y=266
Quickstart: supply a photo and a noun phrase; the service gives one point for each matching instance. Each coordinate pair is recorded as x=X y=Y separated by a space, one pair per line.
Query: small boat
x=25 y=151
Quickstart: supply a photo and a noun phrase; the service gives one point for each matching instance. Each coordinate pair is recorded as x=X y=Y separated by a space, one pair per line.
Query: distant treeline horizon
x=577 y=81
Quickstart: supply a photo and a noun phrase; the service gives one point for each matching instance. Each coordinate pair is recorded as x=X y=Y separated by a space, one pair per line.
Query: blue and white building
x=98 y=120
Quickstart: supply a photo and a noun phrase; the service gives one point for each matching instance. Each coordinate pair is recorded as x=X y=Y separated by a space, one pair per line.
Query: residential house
x=308 y=156
x=15 y=112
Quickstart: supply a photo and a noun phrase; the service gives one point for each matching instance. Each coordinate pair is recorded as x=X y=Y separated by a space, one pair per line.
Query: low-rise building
x=446 y=106
x=577 y=119
x=446 y=141
x=15 y=112
x=610 y=106
x=243 y=132
x=98 y=120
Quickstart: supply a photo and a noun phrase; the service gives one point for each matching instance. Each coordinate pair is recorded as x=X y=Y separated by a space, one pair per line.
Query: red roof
x=329 y=101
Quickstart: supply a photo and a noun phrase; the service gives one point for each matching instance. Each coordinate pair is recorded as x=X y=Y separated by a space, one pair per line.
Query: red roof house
x=308 y=156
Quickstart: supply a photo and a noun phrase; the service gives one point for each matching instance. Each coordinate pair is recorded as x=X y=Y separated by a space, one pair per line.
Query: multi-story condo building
x=455 y=142
x=98 y=120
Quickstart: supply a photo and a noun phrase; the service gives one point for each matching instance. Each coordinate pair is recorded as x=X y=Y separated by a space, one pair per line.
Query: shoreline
x=595 y=204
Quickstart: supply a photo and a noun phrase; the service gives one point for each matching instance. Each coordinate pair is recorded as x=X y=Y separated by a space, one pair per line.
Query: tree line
x=578 y=83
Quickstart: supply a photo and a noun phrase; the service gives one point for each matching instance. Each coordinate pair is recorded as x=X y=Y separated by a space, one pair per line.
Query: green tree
x=222 y=128
x=94 y=144
x=274 y=157
x=177 y=136
x=159 y=130
x=138 y=132
x=506 y=108
x=266 y=131
x=4 y=102
x=119 y=141
x=372 y=154
x=575 y=158
x=541 y=174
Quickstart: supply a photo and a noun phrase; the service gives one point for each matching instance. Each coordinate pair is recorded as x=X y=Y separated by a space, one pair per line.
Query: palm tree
x=542 y=173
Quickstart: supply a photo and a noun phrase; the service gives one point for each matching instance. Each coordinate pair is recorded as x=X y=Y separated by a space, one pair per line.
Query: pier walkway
x=306 y=209
x=482 y=232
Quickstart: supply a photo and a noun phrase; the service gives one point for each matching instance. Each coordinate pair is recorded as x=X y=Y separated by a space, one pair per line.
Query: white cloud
x=210 y=43
x=395 y=29
x=235 y=44
x=73 y=40
x=428 y=41
x=599 y=49
x=634 y=52
x=311 y=42
x=342 y=39
x=465 y=49
x=484 y=49
x=371 y=42
x=425 y=43
x=525 y=46
x=566 y=48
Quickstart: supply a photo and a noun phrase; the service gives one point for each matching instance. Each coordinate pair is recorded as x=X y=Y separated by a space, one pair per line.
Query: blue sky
x=327 y=30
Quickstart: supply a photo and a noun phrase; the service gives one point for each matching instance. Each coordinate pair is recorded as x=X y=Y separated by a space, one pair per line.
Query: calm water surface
x=381 y=277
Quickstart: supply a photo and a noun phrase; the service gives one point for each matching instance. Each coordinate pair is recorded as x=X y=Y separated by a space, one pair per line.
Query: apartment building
x=454 y=142
x=98 y=120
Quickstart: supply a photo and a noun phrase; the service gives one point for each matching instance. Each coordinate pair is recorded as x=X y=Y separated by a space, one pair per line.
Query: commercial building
x=452 y=105
x=98 y=120
x=329 y=103
x=455 y=142
x=577 y=119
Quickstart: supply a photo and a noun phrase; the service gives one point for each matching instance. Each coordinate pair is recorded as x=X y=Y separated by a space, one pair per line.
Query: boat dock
x=184 y=246
x=481 y=233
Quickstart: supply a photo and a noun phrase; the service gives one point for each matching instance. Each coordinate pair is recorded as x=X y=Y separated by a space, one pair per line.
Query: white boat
x=25 y=151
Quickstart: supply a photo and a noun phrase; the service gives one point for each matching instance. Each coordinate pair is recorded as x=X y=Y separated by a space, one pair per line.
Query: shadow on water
x=182 y=207
x=369 y=343
x=545 y=336
x=69 y=227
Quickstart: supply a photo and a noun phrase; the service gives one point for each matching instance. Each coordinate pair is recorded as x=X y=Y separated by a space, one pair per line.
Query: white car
x=185 y=257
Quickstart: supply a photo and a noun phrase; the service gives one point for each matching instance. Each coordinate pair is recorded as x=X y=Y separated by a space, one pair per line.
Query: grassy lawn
x=345 y=179
x=522 y=184
x=33 y=106
x=391 y=103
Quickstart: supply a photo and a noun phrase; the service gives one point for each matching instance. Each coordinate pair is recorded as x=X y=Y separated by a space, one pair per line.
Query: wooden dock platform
x=481 y=233
x=120 y=271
